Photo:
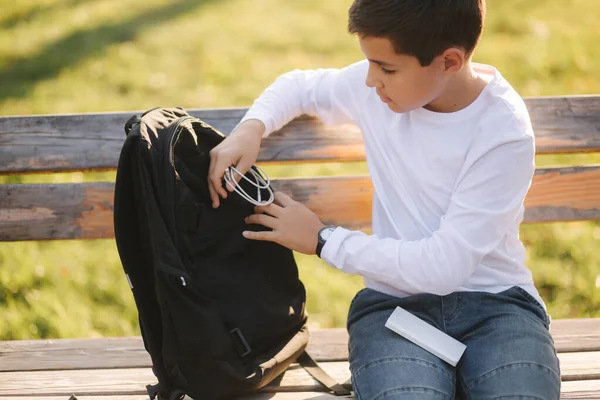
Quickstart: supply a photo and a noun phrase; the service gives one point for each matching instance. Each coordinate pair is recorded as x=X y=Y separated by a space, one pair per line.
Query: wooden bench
x=119 y=368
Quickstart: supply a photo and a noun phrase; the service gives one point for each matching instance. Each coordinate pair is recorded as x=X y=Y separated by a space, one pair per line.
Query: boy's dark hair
x=421 y=28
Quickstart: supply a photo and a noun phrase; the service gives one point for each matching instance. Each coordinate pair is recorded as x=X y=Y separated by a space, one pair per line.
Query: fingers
x=283 y=199
x=216 y=189
x=242 y=166
x=263 y=235
x=275 y=209
x=272 y=209
x=265 y=220
x=215 y=176
x=262 y=219
x=214 y=197
x=216 y=179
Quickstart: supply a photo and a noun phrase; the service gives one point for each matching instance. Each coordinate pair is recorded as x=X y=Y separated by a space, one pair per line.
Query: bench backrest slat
x=92 y=142
x=85 y=211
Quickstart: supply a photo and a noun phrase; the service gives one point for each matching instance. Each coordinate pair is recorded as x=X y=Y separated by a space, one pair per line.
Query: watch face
x=327 y=232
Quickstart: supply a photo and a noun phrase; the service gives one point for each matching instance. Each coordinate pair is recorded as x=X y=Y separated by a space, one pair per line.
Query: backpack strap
x=311 y=366
x=135 y=119
x=154 y=393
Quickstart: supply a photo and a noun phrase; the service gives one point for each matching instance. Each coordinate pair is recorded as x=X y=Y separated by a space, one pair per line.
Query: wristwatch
x=323 y=236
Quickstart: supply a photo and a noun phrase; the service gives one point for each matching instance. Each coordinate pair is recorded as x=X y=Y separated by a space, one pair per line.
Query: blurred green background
x=69 y=56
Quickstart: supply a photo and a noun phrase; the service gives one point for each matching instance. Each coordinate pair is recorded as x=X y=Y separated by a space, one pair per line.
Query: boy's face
x=399 y=79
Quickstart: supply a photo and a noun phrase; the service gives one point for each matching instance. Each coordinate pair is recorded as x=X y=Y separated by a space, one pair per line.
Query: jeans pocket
x=532 y=300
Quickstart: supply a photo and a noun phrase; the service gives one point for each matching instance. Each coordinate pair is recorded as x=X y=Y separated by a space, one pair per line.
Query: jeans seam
x=444 y=315
x=456 y=311
x=391 y=359
x=355 y=388
x=494 y=371
x=400 y=389
x=535 y=320
x=512 y=397
x=460 y=381
x=459 y=305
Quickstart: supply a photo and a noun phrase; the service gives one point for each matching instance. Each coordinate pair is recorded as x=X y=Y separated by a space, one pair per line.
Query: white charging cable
x=261 y=183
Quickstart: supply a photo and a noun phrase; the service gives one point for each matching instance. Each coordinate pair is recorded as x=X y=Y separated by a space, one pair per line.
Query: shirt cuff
x=330 y=250
x=259 y=117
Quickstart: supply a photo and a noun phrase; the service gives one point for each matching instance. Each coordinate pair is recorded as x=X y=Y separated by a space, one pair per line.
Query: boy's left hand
x=293 y=225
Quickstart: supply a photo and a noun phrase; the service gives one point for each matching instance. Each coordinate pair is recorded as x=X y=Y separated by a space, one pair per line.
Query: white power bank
x=426 y=336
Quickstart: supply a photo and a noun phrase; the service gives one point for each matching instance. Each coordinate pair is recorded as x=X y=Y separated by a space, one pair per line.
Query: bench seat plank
x=570 y=335
x=84 y=397
x=92 y=142
x=574 y=367
x=85 y=210
x=576 y=334
x=578 y=390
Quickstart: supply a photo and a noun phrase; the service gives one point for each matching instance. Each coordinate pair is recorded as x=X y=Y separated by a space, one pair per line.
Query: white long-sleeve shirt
x=448 y=187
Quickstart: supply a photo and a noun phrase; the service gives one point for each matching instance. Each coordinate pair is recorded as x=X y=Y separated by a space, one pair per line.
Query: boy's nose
x=371 y=81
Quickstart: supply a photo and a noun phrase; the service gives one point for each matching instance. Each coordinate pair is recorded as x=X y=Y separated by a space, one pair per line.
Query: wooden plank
x=564 y=194
x=574 y=367
x=259 y=396
x=66 y=354
x=92 y=397
x=577 y=334
x=84 y=397
x=92 y=142
x=85 y=211
x=580 y=366
x=565 y=124
x=570 y=335
x=577 y=390
x=582 y=390
x=60 y=211
x=83 y=382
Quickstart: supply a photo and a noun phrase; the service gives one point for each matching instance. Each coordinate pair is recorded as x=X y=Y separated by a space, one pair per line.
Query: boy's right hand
x=240 y=149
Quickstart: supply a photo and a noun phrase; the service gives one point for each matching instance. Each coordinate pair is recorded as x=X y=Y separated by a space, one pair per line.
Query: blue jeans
x=510 y=353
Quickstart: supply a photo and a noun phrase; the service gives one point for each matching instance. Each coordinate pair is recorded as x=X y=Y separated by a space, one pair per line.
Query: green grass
x=68 y=56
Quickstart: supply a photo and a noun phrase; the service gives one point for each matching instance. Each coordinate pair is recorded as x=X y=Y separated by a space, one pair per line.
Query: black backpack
x=220 y=315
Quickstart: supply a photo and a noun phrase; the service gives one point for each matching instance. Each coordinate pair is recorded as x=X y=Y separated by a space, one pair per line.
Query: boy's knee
x=402 y=378
x=517 y=380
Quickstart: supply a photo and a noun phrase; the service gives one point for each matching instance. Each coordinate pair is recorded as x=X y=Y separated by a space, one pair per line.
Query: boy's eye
x=387 y=71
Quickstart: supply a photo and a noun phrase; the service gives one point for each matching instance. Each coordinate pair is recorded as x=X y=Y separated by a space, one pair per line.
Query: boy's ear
x=453 y=59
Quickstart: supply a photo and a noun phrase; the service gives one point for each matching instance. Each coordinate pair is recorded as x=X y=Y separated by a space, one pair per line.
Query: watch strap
x=321 y=242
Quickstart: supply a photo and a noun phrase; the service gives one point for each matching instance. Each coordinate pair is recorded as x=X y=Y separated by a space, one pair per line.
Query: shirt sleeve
x=484 y=206
x=329 y=94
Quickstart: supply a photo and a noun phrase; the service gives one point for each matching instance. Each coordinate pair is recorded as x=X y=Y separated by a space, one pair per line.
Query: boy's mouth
x=385 y=99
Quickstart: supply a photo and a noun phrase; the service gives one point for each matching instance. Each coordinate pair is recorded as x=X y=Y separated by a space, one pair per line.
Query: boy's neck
x=462 y=90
